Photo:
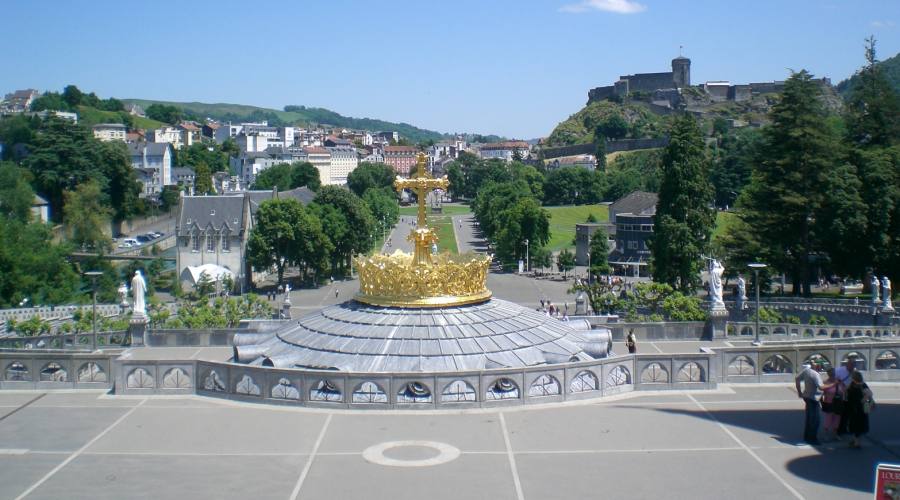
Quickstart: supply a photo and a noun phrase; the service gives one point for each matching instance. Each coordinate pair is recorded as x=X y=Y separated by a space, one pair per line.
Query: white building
x=175 y=136
x=154 y=163
x=343 y=161
x=506 y=151
x=110 y=131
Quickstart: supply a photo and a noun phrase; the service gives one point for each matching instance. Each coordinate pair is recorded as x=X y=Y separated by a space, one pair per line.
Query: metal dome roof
x=358 y=337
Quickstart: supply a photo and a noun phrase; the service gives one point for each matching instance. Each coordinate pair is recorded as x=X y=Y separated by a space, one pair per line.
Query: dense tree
x=531 y=176
x=684 y=220
x=164 y=113
x=614 y=127
x=523 y=220
x=32 y=266
x=63 y=155
x=287 y=234
x=16 y=131
x=573 y=186
x=565 y=261
x=288 y=176
x=86 y=218
x=792 y=204
x=493 y=199
x=202 y=179
x=52 y=101
x=72 y=95
x=16 y=195
x=335 y=227
x=599 y=248
x=457 y=179
x=359 y=221
x=382 y=204
x=733 y=163
x=203 y=152
x=872 y=115
x=370 y=175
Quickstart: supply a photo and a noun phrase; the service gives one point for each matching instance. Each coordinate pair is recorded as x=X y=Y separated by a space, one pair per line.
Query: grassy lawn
x=455 y=209
x=563 y=220
x=91 y=116
x=723 y=220
x=443 y=225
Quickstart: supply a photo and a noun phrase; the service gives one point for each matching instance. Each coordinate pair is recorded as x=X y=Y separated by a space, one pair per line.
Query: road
x=468 y=235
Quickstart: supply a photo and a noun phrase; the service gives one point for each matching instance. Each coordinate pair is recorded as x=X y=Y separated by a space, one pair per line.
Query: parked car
x=142 y=238
x=851 y=287
x=124 y=244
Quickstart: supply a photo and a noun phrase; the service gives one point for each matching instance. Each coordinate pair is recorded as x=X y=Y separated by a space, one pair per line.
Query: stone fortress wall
x=664 y=86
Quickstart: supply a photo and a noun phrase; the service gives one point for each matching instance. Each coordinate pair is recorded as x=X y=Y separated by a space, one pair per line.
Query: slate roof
x=153 y=148
x=637 y=203
x=357 y=337
x=206 y=211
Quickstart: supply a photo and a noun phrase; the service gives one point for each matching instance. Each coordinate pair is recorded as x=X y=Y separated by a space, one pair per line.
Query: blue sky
x=492 y=66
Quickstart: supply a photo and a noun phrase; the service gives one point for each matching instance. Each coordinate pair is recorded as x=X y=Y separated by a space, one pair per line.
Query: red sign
x=887 y=482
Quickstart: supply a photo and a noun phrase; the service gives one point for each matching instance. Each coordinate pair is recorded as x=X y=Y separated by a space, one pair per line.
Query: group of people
x=554 y=311
x=844 y=398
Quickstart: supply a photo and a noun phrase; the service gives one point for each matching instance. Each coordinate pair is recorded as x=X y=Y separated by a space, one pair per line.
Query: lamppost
x=93 y=275
x=527 y=267
x=756 y=266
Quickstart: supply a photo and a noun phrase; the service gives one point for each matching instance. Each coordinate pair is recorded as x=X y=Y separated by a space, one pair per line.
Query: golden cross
x=421 y=184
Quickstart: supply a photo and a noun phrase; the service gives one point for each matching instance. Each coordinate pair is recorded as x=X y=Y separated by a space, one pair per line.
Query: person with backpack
x=631 y=342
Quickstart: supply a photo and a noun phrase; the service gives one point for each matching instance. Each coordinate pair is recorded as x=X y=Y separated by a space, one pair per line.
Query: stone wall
x=648 y=82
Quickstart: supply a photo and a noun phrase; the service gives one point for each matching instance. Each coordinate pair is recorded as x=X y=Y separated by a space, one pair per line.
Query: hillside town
x=394 y=256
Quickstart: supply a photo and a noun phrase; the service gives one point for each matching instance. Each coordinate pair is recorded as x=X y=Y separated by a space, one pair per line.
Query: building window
x=210 y=243
x=195 y=242
x=226 y=242
x=632 y=245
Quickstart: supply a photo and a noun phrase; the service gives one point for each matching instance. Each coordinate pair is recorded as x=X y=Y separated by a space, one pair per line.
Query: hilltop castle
x=679 y=77
x=664 y=88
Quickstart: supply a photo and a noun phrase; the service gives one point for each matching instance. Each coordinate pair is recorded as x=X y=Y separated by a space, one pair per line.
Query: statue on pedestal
x=715 y=285
x=886 y=295
x=742 y=292
x=123 y=295
x=138 y=288
x=874 y=285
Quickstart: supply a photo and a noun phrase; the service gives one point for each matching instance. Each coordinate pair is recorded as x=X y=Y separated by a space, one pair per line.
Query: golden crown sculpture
x=422 y=279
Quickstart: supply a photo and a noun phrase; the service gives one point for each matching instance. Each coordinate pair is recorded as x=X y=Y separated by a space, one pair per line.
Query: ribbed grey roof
x=358 y=337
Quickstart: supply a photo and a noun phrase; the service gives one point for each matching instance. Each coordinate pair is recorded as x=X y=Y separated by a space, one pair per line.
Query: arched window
x=584 y=381
x=414 y=392
x=618 y=376
x=458 y=390
x=777 y=364
x=503 y=388
x=545 y=385
x=654 y=373
x=741 y=365
x=369 y=392
x=690 y=372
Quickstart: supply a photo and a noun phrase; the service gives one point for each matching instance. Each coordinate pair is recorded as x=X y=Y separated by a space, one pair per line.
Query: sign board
x=521 y=266
x=887 y=482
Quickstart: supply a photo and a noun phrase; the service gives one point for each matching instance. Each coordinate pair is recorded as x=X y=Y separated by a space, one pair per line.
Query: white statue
x=123 y=294
x=138 y=288
x=874 y=285
x=742 y=288
x=886 y=294
x=715 y=284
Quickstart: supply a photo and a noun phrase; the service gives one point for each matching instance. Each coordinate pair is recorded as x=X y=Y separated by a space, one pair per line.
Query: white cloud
x=882 y=24
x=616 y=6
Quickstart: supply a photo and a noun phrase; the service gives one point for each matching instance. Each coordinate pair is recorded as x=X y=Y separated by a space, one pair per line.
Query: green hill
x=579 y=128
x=90 y=116
x=295 y=115
x=889 y=67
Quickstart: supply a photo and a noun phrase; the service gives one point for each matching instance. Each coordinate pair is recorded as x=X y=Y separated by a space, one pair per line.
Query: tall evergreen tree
x=872 y=115
x=802 y=198
x=684 y=218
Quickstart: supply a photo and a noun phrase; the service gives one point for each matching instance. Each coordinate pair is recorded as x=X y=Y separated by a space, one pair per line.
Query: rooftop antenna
x=680 y=47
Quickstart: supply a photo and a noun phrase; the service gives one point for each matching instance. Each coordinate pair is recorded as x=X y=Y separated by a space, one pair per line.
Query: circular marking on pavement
x=445 y=453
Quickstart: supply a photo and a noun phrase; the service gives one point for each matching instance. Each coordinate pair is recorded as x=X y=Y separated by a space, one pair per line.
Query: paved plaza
x=735 y=442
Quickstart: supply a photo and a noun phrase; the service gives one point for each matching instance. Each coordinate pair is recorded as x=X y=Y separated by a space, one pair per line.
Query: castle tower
x=681 y=71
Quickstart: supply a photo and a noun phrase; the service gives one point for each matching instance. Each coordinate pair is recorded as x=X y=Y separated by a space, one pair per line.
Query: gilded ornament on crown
x=422 y=279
